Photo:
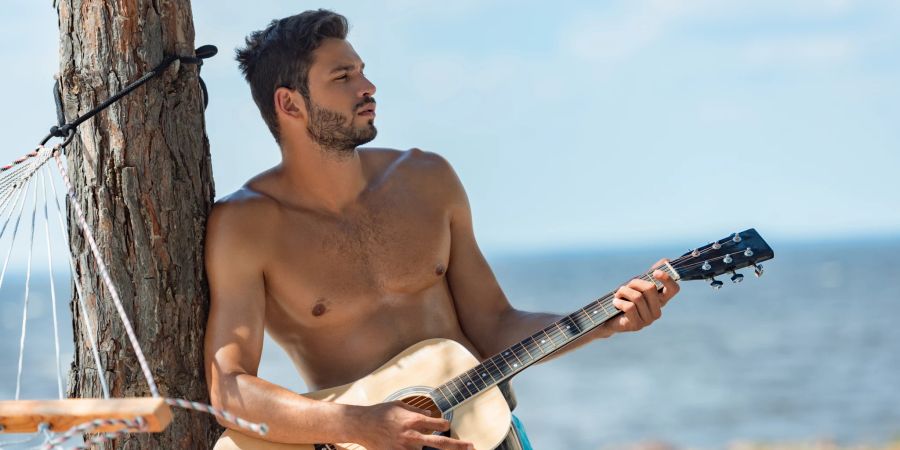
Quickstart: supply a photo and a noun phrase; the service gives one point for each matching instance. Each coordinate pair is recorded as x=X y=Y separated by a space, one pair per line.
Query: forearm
x=291 y=418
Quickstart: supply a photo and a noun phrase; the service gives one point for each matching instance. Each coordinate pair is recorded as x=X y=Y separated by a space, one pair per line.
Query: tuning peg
x=736 y=277
x=706 y=265
x=758 y=270
x=748 y=252
x=736 y=238
x=727 y=259
x=716 y=245
x=716 y=284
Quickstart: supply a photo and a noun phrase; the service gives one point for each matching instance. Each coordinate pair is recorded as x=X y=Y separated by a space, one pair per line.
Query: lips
x=368 y=111
x=367 y=107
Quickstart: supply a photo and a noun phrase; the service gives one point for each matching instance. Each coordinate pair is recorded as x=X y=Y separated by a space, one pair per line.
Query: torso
x=345 y=293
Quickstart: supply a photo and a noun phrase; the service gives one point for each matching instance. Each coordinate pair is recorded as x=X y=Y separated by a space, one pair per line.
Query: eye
x=342 y=77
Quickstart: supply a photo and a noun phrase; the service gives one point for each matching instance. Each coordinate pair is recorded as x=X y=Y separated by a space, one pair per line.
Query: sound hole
x=423 y=402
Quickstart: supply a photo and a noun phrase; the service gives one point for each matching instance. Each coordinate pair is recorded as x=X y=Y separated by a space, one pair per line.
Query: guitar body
x=484 y=420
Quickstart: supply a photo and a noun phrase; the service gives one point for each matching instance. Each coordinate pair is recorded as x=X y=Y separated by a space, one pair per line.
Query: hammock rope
x=59 y=377
x=79 y=296
x=27 y=285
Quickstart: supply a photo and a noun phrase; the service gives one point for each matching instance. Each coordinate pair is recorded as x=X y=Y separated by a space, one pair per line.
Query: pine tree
x=142 y=173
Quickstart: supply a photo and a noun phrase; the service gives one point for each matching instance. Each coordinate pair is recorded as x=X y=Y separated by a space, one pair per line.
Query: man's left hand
x=640 y=302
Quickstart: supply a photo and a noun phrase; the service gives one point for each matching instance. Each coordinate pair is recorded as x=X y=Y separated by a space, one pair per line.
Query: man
x=348 y=256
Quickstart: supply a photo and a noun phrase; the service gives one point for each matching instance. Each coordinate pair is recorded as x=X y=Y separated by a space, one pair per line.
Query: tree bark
x=141 y=171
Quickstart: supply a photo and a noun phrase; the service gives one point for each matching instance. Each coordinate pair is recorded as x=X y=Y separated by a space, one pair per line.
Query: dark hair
x=281 y=54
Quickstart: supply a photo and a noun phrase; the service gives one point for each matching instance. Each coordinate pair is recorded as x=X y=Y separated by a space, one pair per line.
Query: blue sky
x=584 y=124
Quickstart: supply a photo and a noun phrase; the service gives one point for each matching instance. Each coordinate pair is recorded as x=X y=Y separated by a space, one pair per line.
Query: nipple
x=439 y=270
x=319 y=309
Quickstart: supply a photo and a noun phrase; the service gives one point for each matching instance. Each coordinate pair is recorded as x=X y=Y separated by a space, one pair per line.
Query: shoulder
x=237 y=218
x=417 y=167
x=241 y=205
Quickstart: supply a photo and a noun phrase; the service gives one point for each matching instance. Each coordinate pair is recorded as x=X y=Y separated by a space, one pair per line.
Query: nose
x=367 y=88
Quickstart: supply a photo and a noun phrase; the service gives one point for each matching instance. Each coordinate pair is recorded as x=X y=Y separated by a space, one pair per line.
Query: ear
x=289 y=102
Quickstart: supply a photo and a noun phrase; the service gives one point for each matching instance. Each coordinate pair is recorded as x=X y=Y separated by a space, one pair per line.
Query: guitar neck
x=532 y=349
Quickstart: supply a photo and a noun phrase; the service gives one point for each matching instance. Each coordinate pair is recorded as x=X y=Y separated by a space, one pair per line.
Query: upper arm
x=479 y=300
x=235 y=327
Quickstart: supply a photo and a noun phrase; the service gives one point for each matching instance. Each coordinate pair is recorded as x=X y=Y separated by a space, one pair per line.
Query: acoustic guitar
x=442 y=376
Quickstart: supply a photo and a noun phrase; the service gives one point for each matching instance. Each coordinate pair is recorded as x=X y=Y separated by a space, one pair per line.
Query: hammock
x=24 y=183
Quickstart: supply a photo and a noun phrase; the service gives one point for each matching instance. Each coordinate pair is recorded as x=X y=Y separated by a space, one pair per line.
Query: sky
x=581 y=125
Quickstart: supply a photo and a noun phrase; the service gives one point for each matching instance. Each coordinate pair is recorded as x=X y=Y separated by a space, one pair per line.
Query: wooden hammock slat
x=24 y=416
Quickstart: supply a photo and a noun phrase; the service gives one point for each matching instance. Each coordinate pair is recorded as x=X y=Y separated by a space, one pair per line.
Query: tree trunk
x=141 y=172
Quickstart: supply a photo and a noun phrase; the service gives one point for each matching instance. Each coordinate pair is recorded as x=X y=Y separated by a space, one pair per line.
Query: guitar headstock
x=726 y=255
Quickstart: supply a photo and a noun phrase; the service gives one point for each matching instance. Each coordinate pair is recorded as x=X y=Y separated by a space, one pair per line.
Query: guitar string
x=602 y=303
x=693 y=265
x=552 y=332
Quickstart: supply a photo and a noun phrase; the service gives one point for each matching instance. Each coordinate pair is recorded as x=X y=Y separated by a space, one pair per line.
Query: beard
x=335 y=132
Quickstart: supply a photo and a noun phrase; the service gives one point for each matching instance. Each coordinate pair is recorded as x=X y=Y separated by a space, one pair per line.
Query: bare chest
x=328 y=271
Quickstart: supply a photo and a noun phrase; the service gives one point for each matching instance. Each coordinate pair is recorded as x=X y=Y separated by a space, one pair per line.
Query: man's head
x=302 y=70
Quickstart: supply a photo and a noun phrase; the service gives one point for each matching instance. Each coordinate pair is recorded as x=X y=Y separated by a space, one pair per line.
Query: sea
x=810 y=351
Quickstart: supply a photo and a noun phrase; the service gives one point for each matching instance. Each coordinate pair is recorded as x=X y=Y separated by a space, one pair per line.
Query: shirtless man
x=348 y=256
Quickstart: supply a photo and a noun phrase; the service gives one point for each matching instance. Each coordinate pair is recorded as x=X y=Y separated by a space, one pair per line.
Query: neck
x=509 y=362
x=323 y=179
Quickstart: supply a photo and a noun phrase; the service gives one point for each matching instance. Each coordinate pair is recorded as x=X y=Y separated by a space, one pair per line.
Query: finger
x=637 y=298
x=660 y=263
x=651 y=296
x=670 y=286
x=445 y=443
x=658 y=269
x=630 y=320
x=429 y=424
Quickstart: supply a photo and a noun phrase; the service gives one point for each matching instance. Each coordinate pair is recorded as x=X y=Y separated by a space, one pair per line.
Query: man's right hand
x=398 y=426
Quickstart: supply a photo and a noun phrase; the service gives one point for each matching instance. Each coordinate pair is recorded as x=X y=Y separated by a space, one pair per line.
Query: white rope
x=258 y=428
x=15 y=228
x=101 y=371
x=27 y=280
x=4 y=199
x=104 y=273
x=11 y=179
x=137 y=424
x=14 y=203
x=59 y=383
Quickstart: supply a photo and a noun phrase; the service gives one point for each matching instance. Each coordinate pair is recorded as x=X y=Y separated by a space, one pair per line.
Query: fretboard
x=532 y=349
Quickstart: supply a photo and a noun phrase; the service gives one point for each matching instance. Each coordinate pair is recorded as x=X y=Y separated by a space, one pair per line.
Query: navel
x=439 y=270
x=320 y=308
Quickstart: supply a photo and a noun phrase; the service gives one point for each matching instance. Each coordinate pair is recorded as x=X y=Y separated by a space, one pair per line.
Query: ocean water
x=809 y=351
